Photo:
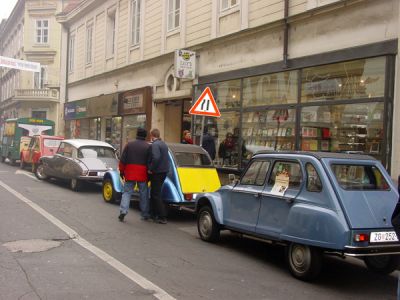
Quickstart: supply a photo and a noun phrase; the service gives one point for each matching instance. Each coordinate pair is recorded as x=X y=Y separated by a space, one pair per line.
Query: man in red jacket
x=133 y=168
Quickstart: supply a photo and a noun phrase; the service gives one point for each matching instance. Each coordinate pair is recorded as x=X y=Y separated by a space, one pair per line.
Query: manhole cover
x=29 y=246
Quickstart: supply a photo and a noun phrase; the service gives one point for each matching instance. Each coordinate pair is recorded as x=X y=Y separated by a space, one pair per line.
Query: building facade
x=31 y=33
x=315 y=75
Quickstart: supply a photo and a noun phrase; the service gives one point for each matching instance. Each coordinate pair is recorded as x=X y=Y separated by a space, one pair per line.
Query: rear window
x=96 y=152
x=51 y=143
x=359 y=177
x=185 y=159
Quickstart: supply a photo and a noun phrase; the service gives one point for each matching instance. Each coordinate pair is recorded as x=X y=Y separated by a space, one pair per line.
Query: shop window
x=227 y=93
x=130 y=125
x=272 y=129
x=364 y=78
x=39 y=114
x=279 y=88
x=226 y=133
x=95 y=129
x=256 y=173
x=351 y=128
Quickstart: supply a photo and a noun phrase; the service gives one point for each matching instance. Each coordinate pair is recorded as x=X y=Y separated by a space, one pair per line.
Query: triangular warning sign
x=205 y=105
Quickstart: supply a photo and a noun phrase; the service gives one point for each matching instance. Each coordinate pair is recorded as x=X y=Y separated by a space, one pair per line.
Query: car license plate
x=100 y=173
x=383 y=237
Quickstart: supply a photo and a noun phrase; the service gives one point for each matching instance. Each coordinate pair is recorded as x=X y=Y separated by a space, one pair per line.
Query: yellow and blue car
x=191 y=172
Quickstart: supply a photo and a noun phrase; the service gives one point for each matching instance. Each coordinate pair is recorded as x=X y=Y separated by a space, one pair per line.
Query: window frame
x=136 y=22
x=229 y=6
x=307 y=177
x=175 y=12
x=283 y=160
x=111 y=28
x=71 y=53
x=255 y=181
x=42 y=29
x=89 y=44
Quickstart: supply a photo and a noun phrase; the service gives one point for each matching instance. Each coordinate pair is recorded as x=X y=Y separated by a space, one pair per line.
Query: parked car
x=191 y=172
x=38 y=146
x=78 y=160
x=313 y=203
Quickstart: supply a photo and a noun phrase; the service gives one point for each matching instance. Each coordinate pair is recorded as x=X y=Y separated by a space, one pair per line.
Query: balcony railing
x=36 y=94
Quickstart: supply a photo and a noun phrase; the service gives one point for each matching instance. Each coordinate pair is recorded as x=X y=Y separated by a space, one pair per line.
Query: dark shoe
x=161 y=221
x=121 y=217
x=144 y=218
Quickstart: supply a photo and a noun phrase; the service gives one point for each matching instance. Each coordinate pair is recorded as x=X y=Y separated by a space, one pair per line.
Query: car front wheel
x=76 y=184
x=39 y=172
x=383 y=264
x=207 y=226
x=304 y=262
x=109 y=194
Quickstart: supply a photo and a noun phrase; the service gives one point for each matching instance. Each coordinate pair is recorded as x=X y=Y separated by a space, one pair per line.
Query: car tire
x=39 y=172
x=207 y=226
x=382 y=264
x=76 y=184
x=33 y=167
x=304 y=262
x=109 y=194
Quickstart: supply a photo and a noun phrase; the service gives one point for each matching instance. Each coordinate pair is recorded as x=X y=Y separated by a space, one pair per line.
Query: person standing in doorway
x=158 y=169
x=133 y=168
x=208 y=143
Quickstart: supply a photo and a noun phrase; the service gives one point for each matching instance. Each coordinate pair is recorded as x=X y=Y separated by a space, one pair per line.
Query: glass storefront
x=130 y=125
x=338 y=107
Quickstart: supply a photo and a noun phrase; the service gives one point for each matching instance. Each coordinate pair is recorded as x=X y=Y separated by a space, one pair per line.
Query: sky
x=6 y=7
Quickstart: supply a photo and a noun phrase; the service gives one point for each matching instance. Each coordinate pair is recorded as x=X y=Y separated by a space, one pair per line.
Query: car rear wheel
x=39 y=172
x=109 y=194
x=383 y=264
x=304 y=262
x=76 y=184
x=207 y=226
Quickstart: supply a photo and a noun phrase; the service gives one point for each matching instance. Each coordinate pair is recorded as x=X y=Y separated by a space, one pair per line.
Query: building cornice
x=80 y=10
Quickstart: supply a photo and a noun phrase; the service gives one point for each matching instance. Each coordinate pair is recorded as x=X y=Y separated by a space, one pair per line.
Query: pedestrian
x=208 y=143
x=158 y=168
x=187 y=137
x=133 y=169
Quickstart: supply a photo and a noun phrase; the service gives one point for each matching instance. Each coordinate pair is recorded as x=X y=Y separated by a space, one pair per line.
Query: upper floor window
x=111 y=32
x=71 y=53
x=227 y=4
x=135 y=25
x=40 y=79
x=174 y=12
x=42 y=31
x=89 y=43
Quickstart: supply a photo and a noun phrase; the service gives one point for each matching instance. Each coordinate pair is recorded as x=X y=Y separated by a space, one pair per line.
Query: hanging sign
x=185 y=64
x=205 y=105
x=19 y=64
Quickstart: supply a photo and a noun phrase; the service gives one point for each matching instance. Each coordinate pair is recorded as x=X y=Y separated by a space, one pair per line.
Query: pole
x=202 y=130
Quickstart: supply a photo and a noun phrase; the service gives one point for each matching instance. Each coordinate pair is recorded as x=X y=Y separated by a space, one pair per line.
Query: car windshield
x=192 y=159
x=51 y=143
x=359 y=177
x=96 y=152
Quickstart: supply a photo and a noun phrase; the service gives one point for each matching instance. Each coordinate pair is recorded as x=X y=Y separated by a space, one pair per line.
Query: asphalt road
x=60 y=244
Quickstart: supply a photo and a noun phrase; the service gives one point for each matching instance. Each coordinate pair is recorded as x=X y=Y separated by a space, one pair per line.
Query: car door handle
x=289 y=200
x=257 y=195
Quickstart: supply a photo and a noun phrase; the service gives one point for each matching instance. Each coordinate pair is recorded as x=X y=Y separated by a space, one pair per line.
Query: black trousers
x=157 y=207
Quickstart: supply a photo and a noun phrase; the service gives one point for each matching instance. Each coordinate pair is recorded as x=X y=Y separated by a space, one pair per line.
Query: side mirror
x=233 y=179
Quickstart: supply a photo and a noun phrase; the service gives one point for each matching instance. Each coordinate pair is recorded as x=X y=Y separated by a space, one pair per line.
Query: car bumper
x=389 y=249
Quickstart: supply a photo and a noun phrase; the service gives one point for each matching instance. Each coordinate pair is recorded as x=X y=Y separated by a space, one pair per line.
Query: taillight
x=188 y=197
x=361 y=237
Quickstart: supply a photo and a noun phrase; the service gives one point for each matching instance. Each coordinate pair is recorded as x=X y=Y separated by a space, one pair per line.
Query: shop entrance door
x=172 y=121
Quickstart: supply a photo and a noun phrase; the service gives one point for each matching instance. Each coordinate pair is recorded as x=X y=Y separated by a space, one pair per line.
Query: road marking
x=27 y=174
x=132 y=275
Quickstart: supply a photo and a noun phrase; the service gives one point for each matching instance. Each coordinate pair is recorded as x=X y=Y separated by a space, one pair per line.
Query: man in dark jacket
x=133 y=168
x=208 y=143
x=158 y=169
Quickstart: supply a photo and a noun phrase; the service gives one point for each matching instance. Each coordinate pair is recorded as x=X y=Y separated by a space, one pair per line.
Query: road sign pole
x=202 y=130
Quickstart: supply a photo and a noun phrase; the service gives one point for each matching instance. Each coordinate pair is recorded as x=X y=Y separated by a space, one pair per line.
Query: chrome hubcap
x=300 y=258
x=205 y=224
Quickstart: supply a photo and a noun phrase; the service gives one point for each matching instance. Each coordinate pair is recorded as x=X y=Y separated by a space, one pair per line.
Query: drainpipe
x=286 y=34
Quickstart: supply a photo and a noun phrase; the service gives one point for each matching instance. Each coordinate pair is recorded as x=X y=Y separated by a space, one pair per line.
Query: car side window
x=287 y=168
x=61 y=149
x=313 y=180
x=68 y=150
x=256 y=173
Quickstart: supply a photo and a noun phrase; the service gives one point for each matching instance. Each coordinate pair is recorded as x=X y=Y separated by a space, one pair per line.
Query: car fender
x=115 y=179
x=215 y=201
x=170 y=193
x=316 y=226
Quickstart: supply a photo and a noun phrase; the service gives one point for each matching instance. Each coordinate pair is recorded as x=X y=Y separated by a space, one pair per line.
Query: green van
x=17 y=131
